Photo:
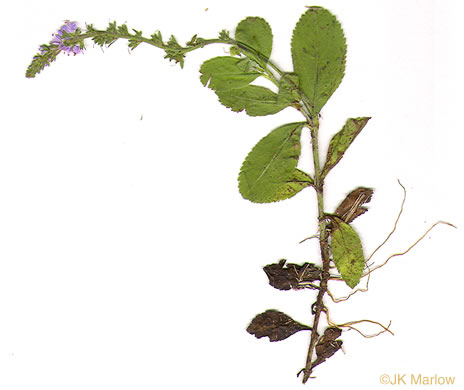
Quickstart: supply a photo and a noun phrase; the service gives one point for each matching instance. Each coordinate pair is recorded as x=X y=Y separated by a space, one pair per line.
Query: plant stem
x=264 y=61
x=313 y=123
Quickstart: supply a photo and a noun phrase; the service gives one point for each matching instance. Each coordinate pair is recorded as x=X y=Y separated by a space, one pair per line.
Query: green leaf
x=318 y=52
x=341 y=141
x=255 y=100
x=256 y=33
x=247 y=65
x=123 y=30
x=157 y=38
x=224 y=35
x=298 y=182
x=230 y=78
x=269 y=172
x=224 y=73
x=174 y=51
x=347 y=253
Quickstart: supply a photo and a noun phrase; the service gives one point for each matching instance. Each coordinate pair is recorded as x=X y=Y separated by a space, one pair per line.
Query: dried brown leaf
x=330 y=334
x=286 y=277
x=352 y=205
x=275 y=325
x=327 y=345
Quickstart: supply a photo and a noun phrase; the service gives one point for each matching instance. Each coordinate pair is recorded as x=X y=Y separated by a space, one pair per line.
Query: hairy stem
x=313 y=123
x=264 y=62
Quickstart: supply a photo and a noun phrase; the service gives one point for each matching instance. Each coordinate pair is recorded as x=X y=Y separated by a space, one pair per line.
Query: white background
x=128 y=259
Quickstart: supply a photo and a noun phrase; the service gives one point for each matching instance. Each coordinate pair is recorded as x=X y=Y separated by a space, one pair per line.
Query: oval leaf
x=347 y=253
x=256 y=33
x=255 y=100
x=224 y=73
x=341 y=141
x=318 y=53
x=275 y=325
x=269 y=170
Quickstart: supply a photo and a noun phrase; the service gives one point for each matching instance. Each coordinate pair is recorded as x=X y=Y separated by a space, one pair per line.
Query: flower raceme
x=68 y=28
x=48 y=52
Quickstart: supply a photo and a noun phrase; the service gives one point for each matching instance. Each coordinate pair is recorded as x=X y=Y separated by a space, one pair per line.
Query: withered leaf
x=275 y=325
x=326 y=350
x=327 y=345
x=330 y=334
x=341 y=141
x=352 y=206
x=286 y=277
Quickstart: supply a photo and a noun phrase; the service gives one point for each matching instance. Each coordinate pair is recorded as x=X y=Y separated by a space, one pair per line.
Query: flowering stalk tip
x=59 y=38
x=48 y=52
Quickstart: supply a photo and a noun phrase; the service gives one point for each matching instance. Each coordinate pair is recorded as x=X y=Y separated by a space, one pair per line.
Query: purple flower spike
x=68 y=28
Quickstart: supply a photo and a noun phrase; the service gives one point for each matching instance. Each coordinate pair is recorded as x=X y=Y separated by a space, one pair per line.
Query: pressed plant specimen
x=270 y=172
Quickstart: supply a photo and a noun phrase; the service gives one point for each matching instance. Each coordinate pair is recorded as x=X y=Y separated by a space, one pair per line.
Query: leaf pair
x=318 y=50
x=230 y=77
x=275 y=324
x=270 y=174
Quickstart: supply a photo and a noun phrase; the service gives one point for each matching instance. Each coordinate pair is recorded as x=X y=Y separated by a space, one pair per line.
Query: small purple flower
x=68 y=28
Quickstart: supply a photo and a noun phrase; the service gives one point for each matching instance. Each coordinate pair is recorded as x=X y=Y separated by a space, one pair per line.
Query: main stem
x=313 y=122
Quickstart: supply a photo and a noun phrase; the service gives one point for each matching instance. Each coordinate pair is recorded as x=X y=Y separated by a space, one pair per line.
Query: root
x=350 y=324
x=367 y=336
x=395 y=224
x=407 y=250
x=342 y=299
